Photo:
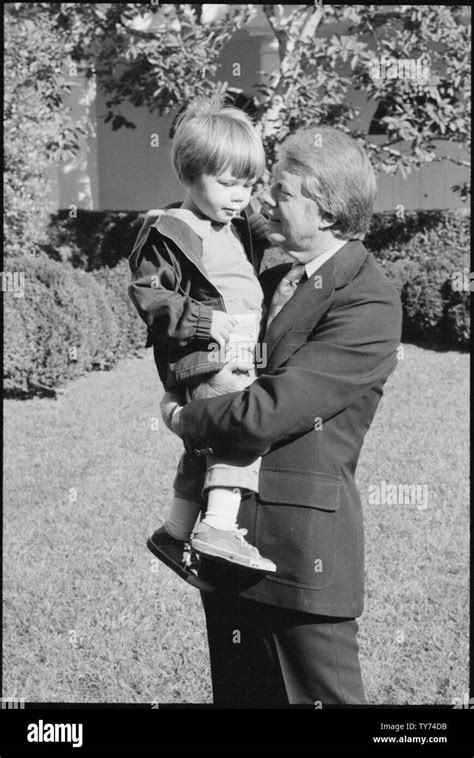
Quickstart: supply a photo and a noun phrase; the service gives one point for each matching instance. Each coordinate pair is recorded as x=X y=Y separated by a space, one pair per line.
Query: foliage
x=435 y=106
x=164 y=64
x=162 y=56
x=159 y=67
x=38 y=129
x=420 y=255
x=68 y=322
x=92 y=239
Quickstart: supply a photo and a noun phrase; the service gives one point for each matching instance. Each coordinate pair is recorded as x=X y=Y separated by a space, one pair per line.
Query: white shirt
x=312 y=266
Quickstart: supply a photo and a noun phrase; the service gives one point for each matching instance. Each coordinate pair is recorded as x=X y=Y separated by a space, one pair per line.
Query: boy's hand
x=222 y=326
x=234 y=377
x=260 y=214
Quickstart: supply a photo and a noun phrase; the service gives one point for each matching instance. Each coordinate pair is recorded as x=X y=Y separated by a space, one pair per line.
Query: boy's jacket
x=174 y=296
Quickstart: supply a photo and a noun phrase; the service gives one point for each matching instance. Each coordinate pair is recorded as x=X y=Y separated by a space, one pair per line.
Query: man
x=291 y=637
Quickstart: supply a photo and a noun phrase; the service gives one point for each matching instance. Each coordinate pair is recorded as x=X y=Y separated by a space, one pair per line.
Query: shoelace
x=240 y=534
x=189 y=559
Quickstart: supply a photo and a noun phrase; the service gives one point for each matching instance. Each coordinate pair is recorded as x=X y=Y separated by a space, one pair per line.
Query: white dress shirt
x=312 y=266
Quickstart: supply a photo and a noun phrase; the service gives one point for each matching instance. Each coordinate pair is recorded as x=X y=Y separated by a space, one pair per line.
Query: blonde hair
x=337 y=174
x=211 y=137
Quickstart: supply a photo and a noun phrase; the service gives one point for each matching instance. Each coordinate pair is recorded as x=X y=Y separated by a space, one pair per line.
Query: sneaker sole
x=200 y=584
x=223 y=555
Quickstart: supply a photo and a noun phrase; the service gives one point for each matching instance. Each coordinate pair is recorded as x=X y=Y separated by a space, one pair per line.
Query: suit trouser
x=263 y=655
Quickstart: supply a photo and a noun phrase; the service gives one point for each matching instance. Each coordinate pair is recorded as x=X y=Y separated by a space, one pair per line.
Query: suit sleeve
x=351 y=350
x=170 y=317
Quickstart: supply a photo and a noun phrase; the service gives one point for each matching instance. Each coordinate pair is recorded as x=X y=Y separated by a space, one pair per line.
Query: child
x=194 y=284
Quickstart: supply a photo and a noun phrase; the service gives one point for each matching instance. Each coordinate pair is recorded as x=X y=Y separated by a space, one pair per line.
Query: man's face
x=220 y=197
x=295 y=223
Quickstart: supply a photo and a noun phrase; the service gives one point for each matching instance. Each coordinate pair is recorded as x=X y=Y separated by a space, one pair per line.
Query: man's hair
x=211 y=137
x=336 y=173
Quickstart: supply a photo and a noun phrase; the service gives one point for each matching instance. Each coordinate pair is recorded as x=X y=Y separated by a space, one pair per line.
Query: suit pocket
x=296 y=525
x=312 y=488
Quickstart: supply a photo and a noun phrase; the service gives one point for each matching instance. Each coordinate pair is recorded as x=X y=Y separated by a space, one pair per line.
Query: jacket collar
x=347 y=262
x=190 y=240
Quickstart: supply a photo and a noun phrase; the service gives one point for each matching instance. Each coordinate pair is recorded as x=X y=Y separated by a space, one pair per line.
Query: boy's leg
x=218 y=536
x=169 y=543
x=182 y=518
x=223 y=505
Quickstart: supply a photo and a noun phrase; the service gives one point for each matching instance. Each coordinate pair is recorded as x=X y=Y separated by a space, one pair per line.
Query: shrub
x=68 y=322
x=420 y=256
x=132 y=331
x=65 y=307
x=94 y=238
x=39 y=127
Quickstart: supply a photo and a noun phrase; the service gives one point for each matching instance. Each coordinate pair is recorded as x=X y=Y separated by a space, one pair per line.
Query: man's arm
x=342 y=359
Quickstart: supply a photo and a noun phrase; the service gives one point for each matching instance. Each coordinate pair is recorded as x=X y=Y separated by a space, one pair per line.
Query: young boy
x=195 y=286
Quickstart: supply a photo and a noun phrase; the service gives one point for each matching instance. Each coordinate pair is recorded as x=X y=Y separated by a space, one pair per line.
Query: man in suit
x=291 y=637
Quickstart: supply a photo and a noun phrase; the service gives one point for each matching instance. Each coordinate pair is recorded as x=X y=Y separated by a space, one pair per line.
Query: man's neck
x=327 y=246
x=322 y=247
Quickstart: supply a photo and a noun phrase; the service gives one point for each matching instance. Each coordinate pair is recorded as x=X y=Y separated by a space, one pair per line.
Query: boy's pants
x=196 y=474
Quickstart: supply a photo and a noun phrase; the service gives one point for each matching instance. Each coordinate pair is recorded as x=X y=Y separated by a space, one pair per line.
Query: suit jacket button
x=208 y=451
x=196 y=451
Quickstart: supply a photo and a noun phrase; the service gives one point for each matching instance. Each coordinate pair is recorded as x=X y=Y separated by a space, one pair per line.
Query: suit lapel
x=313 y=297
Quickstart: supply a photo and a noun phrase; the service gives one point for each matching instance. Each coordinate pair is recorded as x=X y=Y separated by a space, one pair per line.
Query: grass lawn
x=91 y=616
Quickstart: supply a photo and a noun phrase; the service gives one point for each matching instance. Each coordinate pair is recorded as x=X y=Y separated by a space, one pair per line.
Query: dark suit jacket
x=329 y=352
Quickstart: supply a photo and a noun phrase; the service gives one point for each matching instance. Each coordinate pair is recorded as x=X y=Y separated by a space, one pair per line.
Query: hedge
x=73 y=319
x=68 y=322
x=420 y=255
x=92 y=239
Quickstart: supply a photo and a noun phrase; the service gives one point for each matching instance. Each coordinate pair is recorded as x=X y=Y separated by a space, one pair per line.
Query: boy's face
x=220 y=197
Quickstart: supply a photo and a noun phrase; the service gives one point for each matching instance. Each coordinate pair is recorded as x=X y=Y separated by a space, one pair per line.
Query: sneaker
x=229 y=545
x=178 y=557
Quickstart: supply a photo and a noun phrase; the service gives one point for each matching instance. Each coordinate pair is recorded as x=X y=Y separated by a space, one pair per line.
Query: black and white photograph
x=236 y=289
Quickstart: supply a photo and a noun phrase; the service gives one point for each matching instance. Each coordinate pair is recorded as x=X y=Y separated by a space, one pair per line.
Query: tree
x=436 y=105
x=38 y=129
x=167 y=66
x=162 y=67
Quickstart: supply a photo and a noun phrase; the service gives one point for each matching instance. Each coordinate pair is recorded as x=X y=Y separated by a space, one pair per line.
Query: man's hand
x=222 y=326
x=170 y=403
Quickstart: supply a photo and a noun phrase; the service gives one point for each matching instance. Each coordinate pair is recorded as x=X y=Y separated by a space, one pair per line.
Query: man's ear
x=326 y=223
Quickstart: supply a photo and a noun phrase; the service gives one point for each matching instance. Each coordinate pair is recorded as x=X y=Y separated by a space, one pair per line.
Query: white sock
x=223 y=505
x=182 y=517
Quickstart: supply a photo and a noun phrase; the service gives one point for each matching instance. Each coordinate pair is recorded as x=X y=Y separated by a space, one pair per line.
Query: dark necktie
x=285 y=290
